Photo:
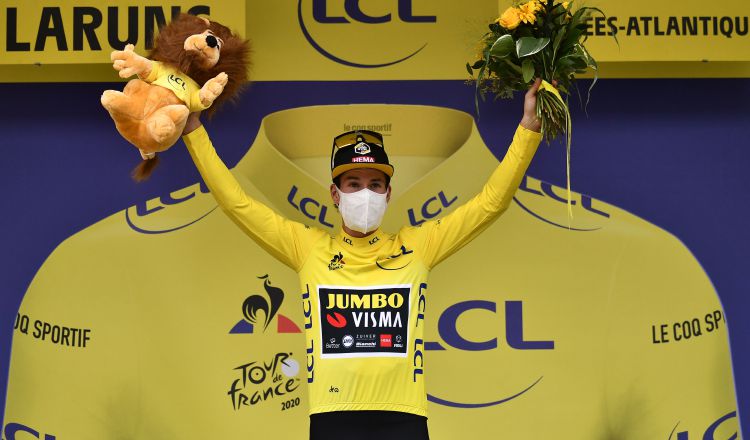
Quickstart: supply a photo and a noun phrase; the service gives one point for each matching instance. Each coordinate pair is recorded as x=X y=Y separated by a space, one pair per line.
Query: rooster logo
x=337 y=262
x=255 y=304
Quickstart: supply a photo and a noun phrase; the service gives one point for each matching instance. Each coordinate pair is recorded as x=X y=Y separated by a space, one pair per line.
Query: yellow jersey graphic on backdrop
x=166 y=321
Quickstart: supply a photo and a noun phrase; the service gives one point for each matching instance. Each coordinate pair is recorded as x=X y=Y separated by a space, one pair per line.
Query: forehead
x=363 y=174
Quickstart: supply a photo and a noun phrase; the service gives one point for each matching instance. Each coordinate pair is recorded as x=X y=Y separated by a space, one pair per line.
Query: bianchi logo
x=259 y=311
x=337 y=262
x=257 y=382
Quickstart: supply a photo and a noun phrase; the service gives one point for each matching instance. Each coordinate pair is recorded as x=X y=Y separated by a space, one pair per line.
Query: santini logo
x=254 y=304
x=331 y=27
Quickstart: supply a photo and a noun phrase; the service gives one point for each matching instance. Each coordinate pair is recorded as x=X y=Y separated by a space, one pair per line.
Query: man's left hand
x=529 y=120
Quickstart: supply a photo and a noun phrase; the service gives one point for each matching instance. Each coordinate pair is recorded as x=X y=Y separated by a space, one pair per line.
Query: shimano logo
x=351 y=32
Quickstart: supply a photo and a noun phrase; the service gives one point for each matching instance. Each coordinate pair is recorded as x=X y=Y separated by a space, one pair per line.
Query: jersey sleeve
x=157 y=70
x=288 y=241
x=448 y=234
x=667 y=359
x=73 y=365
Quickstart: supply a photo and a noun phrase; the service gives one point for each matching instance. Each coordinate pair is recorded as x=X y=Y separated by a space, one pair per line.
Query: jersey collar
x=372 y=241
x=440 y=159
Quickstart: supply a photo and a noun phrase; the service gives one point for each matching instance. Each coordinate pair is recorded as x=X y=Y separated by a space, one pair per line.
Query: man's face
x=361 y=178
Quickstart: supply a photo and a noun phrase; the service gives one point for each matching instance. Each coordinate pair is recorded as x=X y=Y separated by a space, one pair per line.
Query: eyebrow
x=376 y=179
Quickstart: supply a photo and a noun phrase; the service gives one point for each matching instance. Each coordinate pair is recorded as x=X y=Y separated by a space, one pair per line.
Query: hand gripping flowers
x=539 y=38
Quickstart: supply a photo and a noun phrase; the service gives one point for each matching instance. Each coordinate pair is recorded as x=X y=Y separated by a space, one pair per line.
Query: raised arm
x=447 y=235
x=286 y=240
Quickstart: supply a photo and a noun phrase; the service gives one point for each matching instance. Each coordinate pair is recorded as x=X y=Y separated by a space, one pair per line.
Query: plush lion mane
x=234 y=57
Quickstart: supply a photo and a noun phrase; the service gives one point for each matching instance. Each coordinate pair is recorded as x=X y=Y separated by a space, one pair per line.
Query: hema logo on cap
x=348 y=17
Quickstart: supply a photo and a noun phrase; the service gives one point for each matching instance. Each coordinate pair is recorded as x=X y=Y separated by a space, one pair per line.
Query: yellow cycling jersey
x=165 y=321
x=364 y=298
x=184 y=87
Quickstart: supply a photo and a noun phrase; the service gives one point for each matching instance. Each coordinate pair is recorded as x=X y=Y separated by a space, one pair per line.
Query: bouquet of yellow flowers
x=538 y=38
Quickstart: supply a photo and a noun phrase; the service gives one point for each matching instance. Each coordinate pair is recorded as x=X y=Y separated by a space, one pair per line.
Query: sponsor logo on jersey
x=386 y=341
x=317 y=18
x=176 y=82
x=358 y=316
x=51 y=332
x=269 y=306
x=347 y=340
x=337 y=262
x=397 y=261
x=257 y=382
x=336 y=319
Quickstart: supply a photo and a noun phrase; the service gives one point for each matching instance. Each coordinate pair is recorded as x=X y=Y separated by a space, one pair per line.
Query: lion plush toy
x=195 y=65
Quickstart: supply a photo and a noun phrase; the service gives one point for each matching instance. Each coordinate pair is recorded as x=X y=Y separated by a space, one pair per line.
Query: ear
x=388 y=194
x=335 y=195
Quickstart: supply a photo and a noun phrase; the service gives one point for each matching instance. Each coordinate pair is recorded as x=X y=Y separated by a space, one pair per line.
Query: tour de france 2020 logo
x=263 y=380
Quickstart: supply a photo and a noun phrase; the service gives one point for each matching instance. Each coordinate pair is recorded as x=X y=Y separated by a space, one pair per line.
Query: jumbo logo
x=17 y=431
x=354 y=301
x=260 y=311
x=448 y=330
x=186 y=207
x=547 y=203
x=366 y=33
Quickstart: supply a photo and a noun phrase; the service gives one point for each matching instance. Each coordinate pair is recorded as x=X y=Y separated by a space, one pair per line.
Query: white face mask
x=363 y=210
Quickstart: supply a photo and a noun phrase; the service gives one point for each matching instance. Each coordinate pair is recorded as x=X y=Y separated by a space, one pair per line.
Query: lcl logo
x=353 y=14
x=17 y=431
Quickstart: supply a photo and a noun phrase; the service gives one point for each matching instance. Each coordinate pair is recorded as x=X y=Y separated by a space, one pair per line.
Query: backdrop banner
x=367 y=39
x=538 y=329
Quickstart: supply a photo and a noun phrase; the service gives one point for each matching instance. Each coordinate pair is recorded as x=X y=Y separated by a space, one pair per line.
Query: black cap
x=359 y=149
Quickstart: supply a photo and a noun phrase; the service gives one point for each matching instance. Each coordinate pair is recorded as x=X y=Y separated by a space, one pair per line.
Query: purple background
x=674 y=152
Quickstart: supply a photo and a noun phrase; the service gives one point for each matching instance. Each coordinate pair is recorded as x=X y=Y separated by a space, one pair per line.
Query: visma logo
x=13 y=431
x=254 y=304
x=171 y=212
x=356 y=33
x=547 y=203
x=710 y=434
x=514 y=337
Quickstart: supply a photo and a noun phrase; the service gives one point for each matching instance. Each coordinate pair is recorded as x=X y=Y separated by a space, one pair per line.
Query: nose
x=211 y=41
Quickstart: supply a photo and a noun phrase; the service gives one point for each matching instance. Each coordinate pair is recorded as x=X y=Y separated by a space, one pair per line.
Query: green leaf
x=502 y=47
x=529 y=46
x=468 y=69
x=528 y=70
x=478 y=64
x=513 y=66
